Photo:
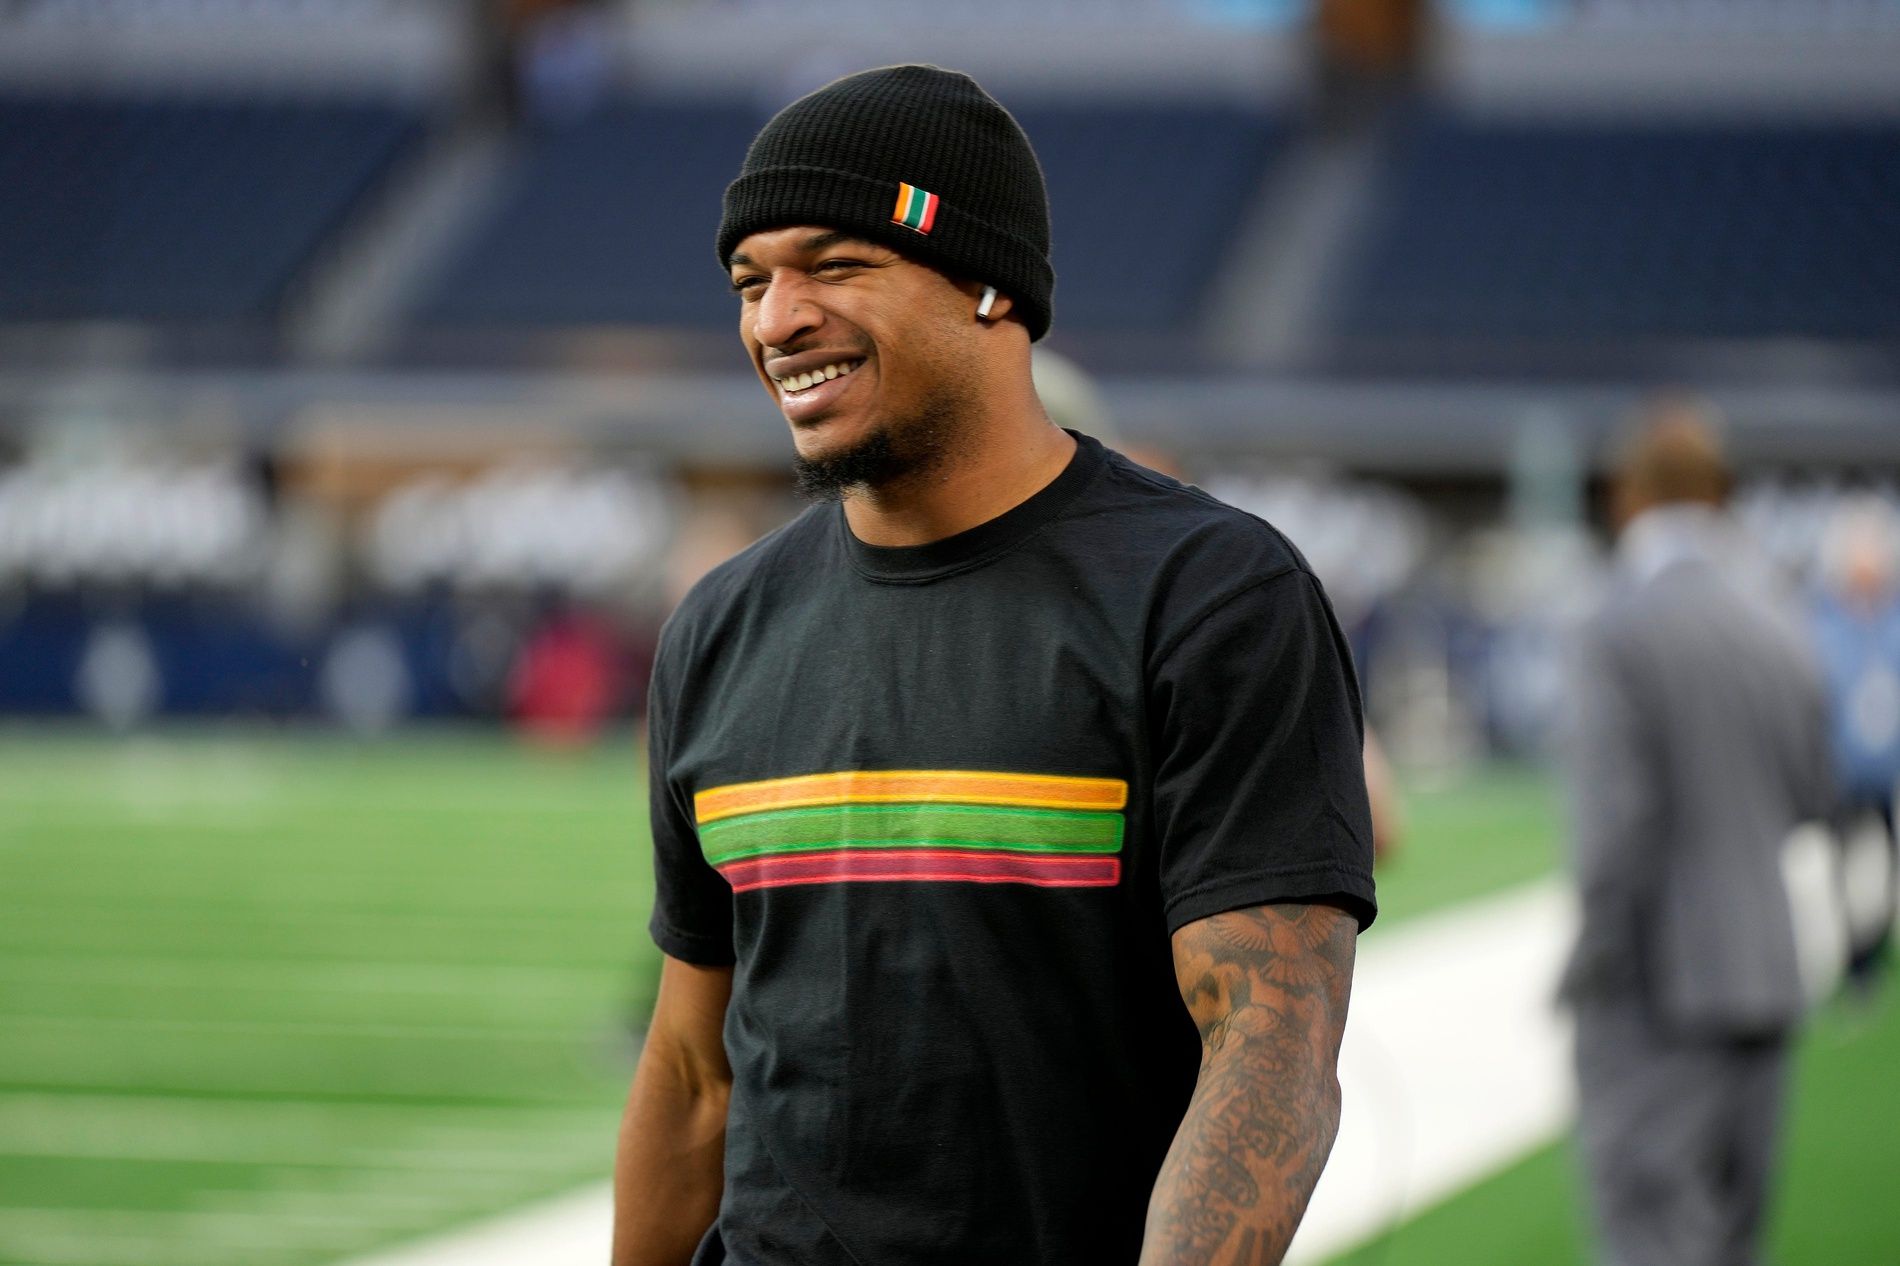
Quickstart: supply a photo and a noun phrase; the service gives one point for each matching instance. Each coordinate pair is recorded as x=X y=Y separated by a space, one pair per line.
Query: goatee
x=885 y=456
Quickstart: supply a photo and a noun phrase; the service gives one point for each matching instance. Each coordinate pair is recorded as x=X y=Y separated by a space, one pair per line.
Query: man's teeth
x=799 y=382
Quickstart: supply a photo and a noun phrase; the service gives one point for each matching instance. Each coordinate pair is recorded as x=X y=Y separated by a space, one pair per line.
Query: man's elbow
x=695 y=1084
x=1330 y=1101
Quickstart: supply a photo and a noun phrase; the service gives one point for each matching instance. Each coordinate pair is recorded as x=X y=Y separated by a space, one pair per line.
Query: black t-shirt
x=943 y=806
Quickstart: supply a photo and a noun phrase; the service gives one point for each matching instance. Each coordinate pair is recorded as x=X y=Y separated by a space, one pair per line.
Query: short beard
x=888 y=455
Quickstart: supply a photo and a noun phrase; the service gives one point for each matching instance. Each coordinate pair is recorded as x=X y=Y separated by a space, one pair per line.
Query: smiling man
x=1009 y=824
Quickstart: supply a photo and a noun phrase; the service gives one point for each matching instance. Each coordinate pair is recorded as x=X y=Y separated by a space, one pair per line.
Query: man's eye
x=838 y=265
x=747 y=285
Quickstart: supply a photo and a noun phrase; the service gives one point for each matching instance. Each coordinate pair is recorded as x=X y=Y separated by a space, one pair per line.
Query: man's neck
x=995 y=473
x=1665 y=534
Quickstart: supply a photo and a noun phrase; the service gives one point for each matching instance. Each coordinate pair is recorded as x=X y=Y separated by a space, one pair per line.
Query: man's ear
x=999 y=304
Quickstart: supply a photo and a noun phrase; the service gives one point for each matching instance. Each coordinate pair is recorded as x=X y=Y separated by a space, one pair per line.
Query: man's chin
x=827 y=468
x=859 y=450
x=813 y=437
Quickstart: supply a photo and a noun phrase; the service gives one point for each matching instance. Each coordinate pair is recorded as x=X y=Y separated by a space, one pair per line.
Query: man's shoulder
x=749 y=576
x=1696 y=615
x=1178 y=523
x=1184 y=554
x=1633 y=615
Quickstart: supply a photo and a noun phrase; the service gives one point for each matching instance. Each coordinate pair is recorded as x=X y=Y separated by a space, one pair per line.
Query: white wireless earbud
x=983 y=307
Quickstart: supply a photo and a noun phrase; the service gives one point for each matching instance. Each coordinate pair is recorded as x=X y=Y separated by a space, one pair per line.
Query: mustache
x=860 y=344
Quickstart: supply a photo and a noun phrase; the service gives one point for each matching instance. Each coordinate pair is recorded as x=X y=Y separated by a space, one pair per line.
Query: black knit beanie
x=917 y=158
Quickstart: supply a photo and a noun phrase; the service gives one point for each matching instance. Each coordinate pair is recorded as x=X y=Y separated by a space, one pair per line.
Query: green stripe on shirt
x=907 y=825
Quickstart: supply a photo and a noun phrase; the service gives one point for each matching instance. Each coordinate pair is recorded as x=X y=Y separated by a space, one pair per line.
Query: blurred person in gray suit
x=1699 y=744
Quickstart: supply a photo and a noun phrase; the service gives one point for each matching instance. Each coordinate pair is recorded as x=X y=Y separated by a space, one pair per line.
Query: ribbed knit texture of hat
x=836 y=158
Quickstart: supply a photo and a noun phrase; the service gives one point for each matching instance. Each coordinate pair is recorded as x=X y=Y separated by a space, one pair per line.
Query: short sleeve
x=692 y=903
x=1260 y=791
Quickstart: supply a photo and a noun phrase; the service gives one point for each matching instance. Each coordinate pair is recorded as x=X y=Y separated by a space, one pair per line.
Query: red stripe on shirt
x=923 y=866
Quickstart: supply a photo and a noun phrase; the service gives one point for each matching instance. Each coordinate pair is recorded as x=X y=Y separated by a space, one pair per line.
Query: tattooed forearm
x=1268 y=989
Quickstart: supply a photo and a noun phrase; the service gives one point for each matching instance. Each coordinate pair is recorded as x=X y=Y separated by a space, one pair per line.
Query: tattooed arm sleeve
x=1268 y=988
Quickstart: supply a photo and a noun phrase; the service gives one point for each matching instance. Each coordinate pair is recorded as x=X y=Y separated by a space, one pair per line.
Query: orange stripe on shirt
x=911 y=786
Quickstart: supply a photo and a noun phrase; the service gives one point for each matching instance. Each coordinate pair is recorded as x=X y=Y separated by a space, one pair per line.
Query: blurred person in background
x=969 y=778
x=1369 y=53
x=1698 y=747
x=542 y=61
x=568 y=678
x=1857 y=628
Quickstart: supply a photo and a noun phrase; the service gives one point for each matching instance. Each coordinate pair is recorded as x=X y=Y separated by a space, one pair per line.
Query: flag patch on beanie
x=916 y=208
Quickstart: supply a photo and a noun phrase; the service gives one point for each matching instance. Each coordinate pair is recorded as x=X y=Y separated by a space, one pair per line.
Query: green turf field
x=1487 y=831
x=270 y=1000
x=1835 y=1207
x=264 y=1002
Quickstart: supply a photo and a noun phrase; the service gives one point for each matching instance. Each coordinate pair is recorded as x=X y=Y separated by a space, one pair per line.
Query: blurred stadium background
x=368 y=394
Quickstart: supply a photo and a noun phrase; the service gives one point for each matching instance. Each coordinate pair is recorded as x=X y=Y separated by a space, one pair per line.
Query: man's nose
x=785 y=313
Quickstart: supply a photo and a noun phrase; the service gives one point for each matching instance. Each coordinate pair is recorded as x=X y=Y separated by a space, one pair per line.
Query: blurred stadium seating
x=595 y=218
x=449 y=351
x=1565 y=231
x=1147 y=200
x=176 y=210
x=595 y=221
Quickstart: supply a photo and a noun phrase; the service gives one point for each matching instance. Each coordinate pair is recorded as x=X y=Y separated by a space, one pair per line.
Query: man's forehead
x=796 y=239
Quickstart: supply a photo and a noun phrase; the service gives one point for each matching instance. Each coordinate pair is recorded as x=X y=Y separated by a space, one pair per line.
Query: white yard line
x=570 y=1230
x=1455 y=1062
x=1454 y=1065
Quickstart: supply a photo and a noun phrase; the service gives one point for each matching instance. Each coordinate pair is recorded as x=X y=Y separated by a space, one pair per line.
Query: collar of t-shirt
x=912 y=564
